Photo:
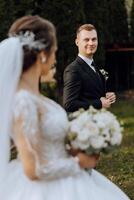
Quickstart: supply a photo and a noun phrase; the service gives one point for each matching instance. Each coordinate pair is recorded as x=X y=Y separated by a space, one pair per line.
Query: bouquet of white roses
x=93 y=131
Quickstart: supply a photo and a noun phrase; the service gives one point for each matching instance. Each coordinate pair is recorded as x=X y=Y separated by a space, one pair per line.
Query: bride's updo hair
x=44 y=33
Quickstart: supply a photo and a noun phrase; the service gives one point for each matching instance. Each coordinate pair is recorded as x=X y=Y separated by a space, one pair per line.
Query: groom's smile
x=87 y=42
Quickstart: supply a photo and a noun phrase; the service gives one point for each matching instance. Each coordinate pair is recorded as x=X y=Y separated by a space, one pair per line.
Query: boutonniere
x=104 y=73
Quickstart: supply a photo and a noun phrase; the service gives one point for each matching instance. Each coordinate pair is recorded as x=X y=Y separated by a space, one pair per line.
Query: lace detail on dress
x=45 y=125
x=60 y=168
x=26 y=108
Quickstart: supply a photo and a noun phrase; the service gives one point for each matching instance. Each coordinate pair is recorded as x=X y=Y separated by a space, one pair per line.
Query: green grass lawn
x=119 y=165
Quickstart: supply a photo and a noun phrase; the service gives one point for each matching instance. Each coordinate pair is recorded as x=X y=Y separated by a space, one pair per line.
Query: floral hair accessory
x=28 y=39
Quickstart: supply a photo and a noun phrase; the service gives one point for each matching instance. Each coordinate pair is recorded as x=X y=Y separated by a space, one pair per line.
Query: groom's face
x=87 y=42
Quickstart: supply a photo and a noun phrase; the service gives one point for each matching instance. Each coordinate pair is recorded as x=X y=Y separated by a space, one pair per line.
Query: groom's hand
x=111 y=96
x=106 y=103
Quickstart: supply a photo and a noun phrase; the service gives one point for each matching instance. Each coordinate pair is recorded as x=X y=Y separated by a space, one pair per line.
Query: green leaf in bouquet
x=110 y=149
x=72 y=136
x=92 y=110
x=75 y=114
x=92 y=151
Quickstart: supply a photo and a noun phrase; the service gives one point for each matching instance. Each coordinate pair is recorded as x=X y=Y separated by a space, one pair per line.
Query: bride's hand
x=86 y=161
x=73 y=151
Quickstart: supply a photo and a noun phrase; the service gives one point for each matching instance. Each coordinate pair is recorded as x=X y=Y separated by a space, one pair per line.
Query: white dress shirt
x=88 y=61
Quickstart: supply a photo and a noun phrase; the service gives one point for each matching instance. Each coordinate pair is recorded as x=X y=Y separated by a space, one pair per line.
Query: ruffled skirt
x=16 y=186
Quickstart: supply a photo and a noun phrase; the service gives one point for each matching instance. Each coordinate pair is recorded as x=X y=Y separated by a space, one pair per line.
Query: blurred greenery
x=132 y=24
x=49 y=90
x=108 y=16
x=119 y=165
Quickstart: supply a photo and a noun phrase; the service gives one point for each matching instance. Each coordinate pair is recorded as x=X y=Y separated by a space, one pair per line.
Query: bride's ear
x=42 y=57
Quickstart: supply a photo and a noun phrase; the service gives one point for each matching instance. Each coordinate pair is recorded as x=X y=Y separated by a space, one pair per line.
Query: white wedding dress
x=45 y=126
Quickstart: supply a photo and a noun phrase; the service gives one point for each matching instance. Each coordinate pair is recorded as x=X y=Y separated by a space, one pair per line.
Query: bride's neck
x=30 y=80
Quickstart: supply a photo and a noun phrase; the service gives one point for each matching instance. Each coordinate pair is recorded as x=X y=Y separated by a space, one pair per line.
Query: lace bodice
x=45 y=125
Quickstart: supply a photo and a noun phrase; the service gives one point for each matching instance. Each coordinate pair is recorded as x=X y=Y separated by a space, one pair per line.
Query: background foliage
x=109 y=17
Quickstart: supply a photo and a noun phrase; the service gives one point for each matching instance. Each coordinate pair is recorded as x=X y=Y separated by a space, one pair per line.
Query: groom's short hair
x=87 y=27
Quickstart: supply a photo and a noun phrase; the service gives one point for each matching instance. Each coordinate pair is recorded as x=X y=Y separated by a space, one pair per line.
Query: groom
x=84 y=84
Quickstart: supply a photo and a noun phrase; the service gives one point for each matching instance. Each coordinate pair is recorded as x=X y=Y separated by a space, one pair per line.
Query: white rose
x=116 y=126
x=101 y=124
x=105 y=144
x=104 y=119
x=93 y=129
x=106 y=134
x=119 y=138
x=84 y=117
x=84 y=145
x=75 y=144
x=83 y=135
x=80 y=145
x=74 y=126
x=97 y=142
x=116 y=139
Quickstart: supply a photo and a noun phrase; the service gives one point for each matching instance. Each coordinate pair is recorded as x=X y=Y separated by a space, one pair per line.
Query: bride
x=43 y=170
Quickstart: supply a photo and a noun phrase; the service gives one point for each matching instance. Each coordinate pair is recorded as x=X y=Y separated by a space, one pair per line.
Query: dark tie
x=95 y=66
x=96 y=69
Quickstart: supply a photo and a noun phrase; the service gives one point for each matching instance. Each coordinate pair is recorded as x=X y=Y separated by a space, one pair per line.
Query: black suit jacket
x=82 y=86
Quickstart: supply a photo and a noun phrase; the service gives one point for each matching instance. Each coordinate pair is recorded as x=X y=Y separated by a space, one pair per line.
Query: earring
x=43 y=59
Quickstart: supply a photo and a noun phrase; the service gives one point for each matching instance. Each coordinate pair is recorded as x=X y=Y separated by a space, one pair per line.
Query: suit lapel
x=89 y=70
